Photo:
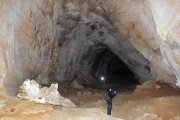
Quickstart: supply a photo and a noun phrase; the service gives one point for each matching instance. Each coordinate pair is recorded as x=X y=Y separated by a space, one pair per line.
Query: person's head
x=108 y=89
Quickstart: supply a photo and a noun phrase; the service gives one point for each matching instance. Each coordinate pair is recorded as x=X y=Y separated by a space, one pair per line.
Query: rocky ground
x=149 y=101
x=12 y=108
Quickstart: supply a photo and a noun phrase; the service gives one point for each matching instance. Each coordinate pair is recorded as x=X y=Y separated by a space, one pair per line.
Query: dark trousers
x=109 y=108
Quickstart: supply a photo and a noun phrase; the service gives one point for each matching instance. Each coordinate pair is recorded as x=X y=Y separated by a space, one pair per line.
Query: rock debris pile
x=30 y=90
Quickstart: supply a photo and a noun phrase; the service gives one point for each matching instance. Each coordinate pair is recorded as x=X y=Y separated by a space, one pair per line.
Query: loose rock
x=75 y=84
x=30 y=90
x=79 y=94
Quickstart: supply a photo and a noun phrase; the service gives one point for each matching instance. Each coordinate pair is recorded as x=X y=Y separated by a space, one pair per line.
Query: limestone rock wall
x=137 y=20
x=166 y=18
x=73 y=54
x=25 y=41
x=30 y=32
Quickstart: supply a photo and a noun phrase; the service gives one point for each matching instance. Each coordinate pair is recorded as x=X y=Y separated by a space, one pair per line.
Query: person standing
x=109 y=96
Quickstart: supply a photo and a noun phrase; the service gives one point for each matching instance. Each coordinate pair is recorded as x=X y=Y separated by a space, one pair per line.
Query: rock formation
x=32 y=33
x=76 y=53
x=61 y=40
x=30 y=90
x=77 y=85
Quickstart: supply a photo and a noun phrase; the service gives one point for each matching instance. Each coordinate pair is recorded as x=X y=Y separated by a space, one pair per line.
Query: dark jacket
x=110 y=97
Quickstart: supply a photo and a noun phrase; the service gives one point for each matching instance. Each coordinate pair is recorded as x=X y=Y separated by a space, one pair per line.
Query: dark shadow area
x=109 y=69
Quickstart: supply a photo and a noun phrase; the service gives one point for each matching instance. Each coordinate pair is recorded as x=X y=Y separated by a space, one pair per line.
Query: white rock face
x=30 y=90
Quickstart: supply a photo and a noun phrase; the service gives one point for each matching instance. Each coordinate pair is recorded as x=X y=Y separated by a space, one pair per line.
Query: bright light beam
x=102 y=78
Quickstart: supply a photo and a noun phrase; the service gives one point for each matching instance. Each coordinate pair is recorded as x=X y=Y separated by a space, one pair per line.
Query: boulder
x=30 y=90
x=75 y=84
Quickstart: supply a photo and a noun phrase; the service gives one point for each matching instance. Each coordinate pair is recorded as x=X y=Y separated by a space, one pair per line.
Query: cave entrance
x=94 y=57
x=109 y=69
x=101 y=68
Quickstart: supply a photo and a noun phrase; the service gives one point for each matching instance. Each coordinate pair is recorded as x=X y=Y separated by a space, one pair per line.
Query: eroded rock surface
x=80 y=50
x=31 y=90
x=31 y=33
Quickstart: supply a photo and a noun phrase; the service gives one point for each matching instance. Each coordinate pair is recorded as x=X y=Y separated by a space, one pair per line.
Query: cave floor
x=147 y=102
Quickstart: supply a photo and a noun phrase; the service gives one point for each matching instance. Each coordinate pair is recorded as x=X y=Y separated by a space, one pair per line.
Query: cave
x=108 y=68
x=66 y=53
x=85 y=45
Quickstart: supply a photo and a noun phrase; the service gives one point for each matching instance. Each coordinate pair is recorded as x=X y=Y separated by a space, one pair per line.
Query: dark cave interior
x=109 y=69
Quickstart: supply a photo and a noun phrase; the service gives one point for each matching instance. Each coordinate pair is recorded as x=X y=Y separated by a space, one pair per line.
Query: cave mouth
x=109 y=69
x=91 y=52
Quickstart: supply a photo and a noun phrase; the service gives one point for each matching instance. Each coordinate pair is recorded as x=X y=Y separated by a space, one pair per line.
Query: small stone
x=85 y=93
x=89 y=93
x=79 y=94
x=157 y=86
